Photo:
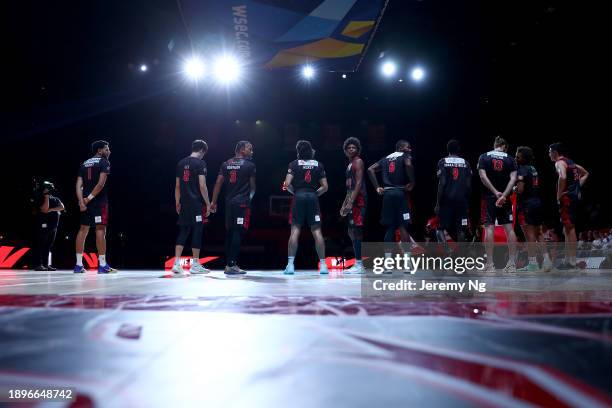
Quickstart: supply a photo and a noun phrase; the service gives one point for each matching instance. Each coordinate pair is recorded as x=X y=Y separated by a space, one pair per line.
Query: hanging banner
x=331 y=34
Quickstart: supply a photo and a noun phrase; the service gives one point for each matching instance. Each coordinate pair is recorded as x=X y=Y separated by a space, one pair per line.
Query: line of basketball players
x=499 y=173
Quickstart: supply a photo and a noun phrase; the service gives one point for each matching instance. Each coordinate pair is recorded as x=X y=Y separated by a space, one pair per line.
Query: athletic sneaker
x=198 y=269
x=180 y=274
x=50 y=268
x=41 y=268
x=290 y=269
x=79 y=269
x=547 y=266
x=177 y=268
x=566 y=266
x=106 y=269
x=233 y=270
x=355 y=269
x=323 y=269
x=529 y=268
x=489 y=269
x=510 y=268
x=242 y=271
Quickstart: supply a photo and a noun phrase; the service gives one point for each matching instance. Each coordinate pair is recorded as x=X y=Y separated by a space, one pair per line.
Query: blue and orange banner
x=332 y=34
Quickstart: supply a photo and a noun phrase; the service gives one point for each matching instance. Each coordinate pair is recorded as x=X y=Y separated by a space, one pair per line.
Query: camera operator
x=48 y=209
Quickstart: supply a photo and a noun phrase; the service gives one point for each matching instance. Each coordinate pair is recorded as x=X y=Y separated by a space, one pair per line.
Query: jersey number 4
x=498 y=165
x=233 y=177
x=307 y=176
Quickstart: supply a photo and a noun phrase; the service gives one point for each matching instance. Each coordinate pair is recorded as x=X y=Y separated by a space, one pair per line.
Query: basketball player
x=498 y=174
x=454 y=185
x=356 y=199
x=192 y=206
x=529 y=209
x=306 y=180
x=237 y=175
x=571 y=179
x=397 y=177
x=92 y=195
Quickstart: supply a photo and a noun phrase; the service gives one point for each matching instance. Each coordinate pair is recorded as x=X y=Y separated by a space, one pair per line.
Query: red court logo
x=7 y=261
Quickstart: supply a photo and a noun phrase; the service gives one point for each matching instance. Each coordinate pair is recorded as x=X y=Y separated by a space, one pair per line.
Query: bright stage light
x=308 y=72
x=143 y=68
x=389 y=69
x=343 y=76
x=417 y=74
x=194 y=68
x=227 y=69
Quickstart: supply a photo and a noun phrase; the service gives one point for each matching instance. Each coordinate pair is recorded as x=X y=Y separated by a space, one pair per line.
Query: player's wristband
x=91 y=197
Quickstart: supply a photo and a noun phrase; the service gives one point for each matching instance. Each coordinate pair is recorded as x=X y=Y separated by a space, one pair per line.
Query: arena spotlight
x=227 y=69
x=308 y=72
x=144 y=68
x=343 y=76
x=417 y=74
x=194 y=68
x=389 y=68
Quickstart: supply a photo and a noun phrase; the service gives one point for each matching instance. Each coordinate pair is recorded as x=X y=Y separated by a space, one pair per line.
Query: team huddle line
x=392 y=177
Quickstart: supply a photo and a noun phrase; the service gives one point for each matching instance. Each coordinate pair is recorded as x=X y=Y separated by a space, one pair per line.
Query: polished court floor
x=135 y=339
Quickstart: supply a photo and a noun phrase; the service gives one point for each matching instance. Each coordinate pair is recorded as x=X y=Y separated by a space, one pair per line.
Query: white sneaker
x=357 y=268
x=182 y=274
x=489 y=269
x=323 y=269
x=290 y=269
x=177 y=268
x=547 y=265
x=197 y=269
x=510 y=267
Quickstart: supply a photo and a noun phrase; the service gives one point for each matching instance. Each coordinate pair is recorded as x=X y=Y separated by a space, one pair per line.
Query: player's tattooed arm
x=372 y=175
x=346 y=205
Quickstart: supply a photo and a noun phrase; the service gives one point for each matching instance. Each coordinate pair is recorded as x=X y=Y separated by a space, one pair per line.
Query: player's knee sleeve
x=196 y=235
x=181 y=239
